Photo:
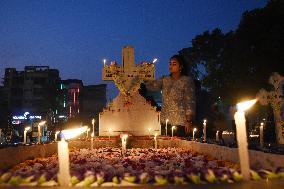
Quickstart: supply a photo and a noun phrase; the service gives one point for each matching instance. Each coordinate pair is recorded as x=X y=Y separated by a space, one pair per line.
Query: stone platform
x=14 y=155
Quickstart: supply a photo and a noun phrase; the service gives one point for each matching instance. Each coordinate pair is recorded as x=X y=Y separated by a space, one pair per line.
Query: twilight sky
x=74 y=36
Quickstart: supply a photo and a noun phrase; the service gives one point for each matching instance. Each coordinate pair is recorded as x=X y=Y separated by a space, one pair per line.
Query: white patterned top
x=178 y=98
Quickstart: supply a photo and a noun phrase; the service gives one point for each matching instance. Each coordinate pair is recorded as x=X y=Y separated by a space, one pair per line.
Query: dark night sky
x=74 y=36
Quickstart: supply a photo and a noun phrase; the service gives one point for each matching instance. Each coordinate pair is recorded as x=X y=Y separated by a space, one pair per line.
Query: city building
x=33 y=90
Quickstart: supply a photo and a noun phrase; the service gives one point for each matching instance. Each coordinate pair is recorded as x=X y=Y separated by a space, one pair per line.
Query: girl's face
x=174 y=66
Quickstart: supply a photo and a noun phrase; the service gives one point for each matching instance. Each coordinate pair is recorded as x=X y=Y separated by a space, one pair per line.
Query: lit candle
x=193 y=133
x=63 y=158
x=92 y=141
x=242 y=137
x=173 y=128
x=93 y=124
x=155 y=60
x=204 y=129
x=63 y=175
x=104 y=60
x=217 y=136
x=55 y=135
x=261 y=134
x=39 y=131
x=156 y=144
x=123 y=144
x=167 y=127
x=25 y=134
x=88 y=132
x=109 y=132
x=149 y=129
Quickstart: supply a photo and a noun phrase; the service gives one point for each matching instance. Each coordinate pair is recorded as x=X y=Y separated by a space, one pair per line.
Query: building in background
x=33 y=90
x=38 y=93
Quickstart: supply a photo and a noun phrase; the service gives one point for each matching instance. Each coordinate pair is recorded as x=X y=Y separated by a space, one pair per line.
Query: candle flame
x=194 y=129
x=261 y=123
x=155 y=60
x=93 y=121
x=173 y=127
x=57 y=132
x=71 y=133
x=124 y=137
x=41 y=123
x=27 y=128
x=243 y=106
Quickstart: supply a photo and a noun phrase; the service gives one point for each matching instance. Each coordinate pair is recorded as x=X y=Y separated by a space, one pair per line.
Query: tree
x=239 y=63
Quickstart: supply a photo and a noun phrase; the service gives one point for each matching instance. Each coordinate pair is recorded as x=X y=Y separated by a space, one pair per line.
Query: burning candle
x=242 y=137
x=25 y=134
x=63 y=158
x=104 y=60
x=39 y=130
x=88 y=132
x=217 y=136
x=55 y=135
x=92 y=141
x=193 y=133
x=261 y=134
x=63 y=175
x=173 y=128
x=123 y=143
x=109 y=132
x=204 y=129
x=149 y=130
x=167 y=120
x=156 y=144
x=93 y=124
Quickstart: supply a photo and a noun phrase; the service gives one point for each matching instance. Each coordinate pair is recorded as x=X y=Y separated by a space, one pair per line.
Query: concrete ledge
x=14 y=155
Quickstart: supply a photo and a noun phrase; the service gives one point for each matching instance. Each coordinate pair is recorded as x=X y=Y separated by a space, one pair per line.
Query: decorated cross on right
x=275 y=99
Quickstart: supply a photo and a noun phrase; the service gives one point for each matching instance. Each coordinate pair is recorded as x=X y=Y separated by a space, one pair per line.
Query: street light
x=38 y=129
x=25 y=134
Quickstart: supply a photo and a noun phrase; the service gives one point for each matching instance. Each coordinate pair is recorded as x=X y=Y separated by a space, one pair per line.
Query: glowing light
x=243 y=106
x=155 y=60
x=71 y=133
x=41 y=123
x=27 y=128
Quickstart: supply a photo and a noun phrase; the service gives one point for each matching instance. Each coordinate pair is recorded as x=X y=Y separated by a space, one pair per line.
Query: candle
x=217 y=136
x=167 y=127
x=149 y=130
x=39 y=131
x=63 y=158
x=63 y=175
x=242 y=137
x=261 y=134
x=88 y=132
x=104 y=60
x=92 y=141
x=93 y=124
x=109 y=132
x=204 y=129
x=156 y=144
x=55 y=135
x=173 y=128
x=123 y=144
x=193 y=133
x=25 y=134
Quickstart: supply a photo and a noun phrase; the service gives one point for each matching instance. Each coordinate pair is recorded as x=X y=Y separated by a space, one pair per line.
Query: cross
x=129 y=76
x=275 y=98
